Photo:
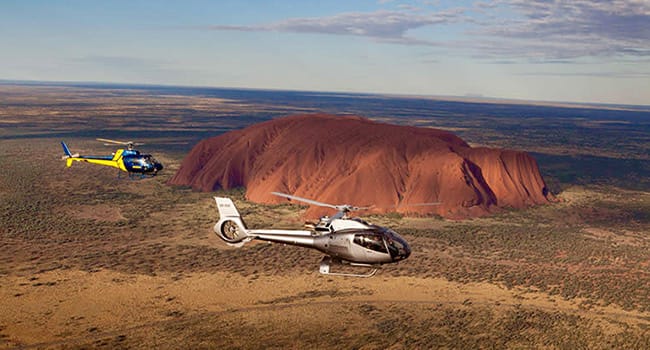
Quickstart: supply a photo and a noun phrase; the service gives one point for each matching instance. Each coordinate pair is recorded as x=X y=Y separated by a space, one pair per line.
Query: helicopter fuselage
x=135 y=162
x=347 y=240
x=352 y=241
x=128 y=160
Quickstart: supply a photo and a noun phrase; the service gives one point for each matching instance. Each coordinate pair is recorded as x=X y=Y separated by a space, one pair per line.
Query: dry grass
x=557 y=276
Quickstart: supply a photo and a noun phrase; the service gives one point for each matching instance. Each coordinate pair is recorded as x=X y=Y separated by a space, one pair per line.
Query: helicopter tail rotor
x=231 y=227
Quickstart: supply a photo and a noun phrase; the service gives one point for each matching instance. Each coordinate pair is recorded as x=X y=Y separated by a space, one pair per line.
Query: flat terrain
x=87 y=260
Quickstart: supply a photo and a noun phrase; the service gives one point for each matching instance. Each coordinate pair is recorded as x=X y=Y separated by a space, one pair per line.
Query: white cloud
x=530 y=30
x=569 y=29
x=381 y=25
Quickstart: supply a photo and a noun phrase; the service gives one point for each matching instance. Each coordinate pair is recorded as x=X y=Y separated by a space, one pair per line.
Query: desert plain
x=88 y=260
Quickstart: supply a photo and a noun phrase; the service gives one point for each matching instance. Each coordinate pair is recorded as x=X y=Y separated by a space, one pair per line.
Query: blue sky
x=576 y=51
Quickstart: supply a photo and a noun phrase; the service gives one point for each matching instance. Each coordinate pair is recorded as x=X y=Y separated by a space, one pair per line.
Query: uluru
x=354 y=160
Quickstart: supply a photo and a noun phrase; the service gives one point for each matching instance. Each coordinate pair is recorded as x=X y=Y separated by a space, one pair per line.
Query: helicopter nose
x=401 y=249
x=407 y=251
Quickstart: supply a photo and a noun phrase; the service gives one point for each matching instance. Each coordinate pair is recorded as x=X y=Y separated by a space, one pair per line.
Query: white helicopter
x=346 y=241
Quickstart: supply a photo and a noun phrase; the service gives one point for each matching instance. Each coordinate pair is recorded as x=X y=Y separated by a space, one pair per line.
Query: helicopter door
x=338 y=245
x=373 y=243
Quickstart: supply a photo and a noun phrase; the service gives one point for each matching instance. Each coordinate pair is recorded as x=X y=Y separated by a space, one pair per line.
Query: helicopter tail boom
x=233 y=231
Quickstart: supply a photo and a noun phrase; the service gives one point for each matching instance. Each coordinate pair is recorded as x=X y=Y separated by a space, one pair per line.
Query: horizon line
x=469 y=98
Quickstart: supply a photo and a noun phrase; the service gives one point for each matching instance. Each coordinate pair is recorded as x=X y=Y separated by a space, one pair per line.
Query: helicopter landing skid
x=132 y=176
x=327 y=262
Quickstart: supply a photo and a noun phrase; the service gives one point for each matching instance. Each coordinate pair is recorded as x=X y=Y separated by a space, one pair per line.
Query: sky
x=543 y=50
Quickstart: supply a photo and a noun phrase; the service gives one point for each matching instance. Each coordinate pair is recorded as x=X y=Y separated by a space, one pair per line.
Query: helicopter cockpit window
x=370 y=241
x=150 y=160
x=395 y=244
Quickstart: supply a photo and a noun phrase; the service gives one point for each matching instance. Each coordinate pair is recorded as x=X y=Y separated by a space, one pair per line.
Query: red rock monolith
x=353 y=160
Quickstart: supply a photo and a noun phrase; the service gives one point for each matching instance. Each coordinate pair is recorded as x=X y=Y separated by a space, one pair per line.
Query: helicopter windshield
x=149 y=160
x=397 y=246
x=370 y=240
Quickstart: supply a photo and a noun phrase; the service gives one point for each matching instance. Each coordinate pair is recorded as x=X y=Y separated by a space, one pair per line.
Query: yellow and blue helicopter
x=127 y=159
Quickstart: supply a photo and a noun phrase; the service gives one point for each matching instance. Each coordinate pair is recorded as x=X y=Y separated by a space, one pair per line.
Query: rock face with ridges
x=353 y=160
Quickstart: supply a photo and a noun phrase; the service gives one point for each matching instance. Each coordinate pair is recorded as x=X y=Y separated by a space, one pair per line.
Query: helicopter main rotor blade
x=130 y=144
x=419 y=204
x=399 y=206
x=353 y=208
x=305 y=200
x=114 y=141
x=347 y=207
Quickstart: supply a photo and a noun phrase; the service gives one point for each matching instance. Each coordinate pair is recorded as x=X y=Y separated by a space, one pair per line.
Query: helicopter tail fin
x=66 y=150
x=67 y=155
x=231 y=227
